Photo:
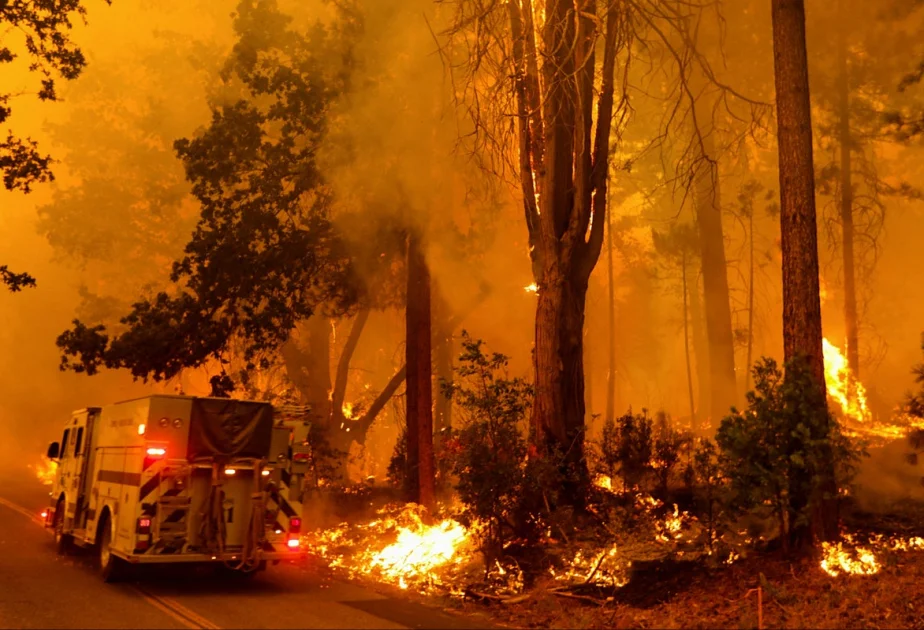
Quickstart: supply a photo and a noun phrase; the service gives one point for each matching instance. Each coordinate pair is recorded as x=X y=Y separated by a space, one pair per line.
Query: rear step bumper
x=174 y=558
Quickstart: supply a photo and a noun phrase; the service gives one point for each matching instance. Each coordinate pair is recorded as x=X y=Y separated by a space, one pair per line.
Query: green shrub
x=489 y=450
x=781 y=449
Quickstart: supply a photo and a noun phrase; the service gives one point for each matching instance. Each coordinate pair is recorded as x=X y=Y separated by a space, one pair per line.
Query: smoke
x=105 y=234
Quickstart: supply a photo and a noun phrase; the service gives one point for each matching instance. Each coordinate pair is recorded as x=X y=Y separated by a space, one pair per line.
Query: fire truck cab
x=166 y=479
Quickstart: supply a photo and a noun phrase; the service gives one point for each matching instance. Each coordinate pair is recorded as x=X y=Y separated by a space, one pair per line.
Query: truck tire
x=111 y=568
x=64 y=543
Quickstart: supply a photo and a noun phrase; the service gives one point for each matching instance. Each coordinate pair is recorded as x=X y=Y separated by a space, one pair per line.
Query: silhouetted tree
x=45 y=31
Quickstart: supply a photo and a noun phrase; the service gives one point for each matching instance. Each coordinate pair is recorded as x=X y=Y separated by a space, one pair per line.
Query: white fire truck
x=166 y=479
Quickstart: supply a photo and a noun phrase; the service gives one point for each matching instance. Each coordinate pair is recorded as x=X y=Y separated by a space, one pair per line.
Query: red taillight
x=293 y=543
x=295 y=524
x=301 y=457
x=45 y=515
x=143 y=529
x=156 y=451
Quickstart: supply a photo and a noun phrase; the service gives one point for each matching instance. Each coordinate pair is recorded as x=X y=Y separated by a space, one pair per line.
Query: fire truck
x=170 y=479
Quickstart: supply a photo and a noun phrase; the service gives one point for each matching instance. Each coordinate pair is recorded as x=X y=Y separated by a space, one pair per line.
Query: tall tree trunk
x=686 y=338
x=722 y=382
x=588 y=369
x=442 y=359
x=563 y=168
x=700 y=351
x=611 y=313
x=420 y=464
x=747 y=366
x=802 y=334
x=846 y=207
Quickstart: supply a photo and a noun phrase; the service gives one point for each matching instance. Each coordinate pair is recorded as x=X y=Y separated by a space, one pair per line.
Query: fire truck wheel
x=110 y=567
x=64 y=543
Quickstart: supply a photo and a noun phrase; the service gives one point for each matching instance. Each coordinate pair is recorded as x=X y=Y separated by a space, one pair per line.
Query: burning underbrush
x=405 y=548
x=864 y=555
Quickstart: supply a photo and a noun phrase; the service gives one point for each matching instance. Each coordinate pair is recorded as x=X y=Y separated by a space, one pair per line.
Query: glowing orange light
x=156 y=452
x=293 y=543
x=141 y=429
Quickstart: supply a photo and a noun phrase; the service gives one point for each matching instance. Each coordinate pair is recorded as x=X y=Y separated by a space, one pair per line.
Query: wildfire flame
x=850 y=558
x=347 y=411
x=419 y=555
x=847 y=391
x=850 y=395
x=532 y=288
x=46 y=471
x=840 y=559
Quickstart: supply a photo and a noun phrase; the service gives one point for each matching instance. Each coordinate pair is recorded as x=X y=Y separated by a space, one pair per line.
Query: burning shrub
x=776 y=452
x=489 y=450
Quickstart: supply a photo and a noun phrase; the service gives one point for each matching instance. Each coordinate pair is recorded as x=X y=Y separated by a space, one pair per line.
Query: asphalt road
x=41 y=590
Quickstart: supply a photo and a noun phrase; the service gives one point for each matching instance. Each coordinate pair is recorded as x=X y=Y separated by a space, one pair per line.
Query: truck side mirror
x=53 y=450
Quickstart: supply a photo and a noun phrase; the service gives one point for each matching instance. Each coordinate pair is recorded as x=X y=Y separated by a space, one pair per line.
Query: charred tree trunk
x=802 y=334
x=747 y=366
x=722 y=382
x=846 y=208
x=442 y=359
x=420 y=477
x=686 y=337
x=611 y=321
x=588 y=367
x=700 y=353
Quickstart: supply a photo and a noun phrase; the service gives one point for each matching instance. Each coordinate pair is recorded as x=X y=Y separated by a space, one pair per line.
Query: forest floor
x=793 y=594
x=763 y=589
